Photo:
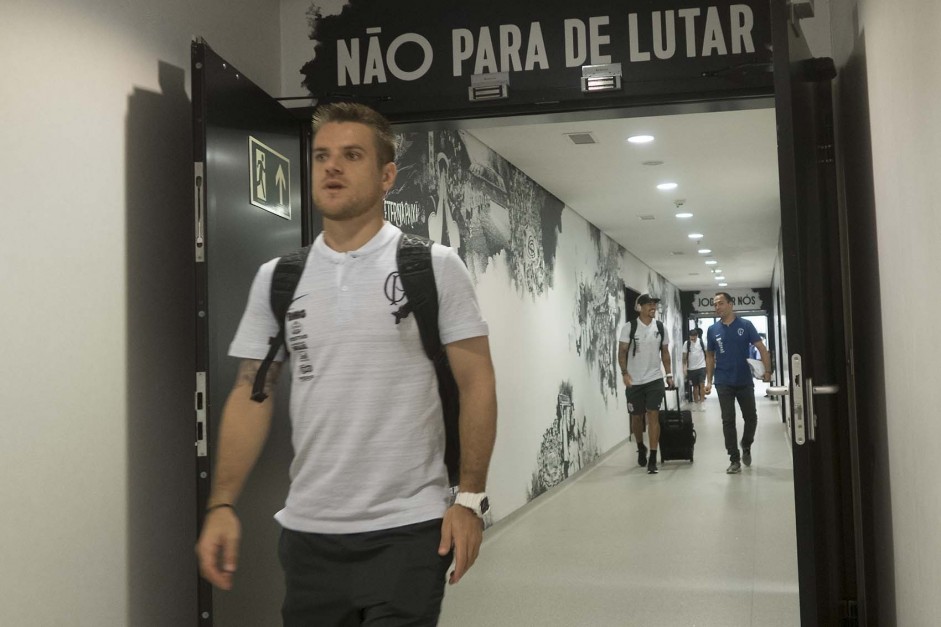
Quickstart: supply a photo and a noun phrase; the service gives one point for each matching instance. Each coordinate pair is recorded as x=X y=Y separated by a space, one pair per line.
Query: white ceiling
x=724 y=162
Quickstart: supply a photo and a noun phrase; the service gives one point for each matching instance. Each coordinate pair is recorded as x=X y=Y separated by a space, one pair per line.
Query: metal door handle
x=779 y=390
x=811 y=412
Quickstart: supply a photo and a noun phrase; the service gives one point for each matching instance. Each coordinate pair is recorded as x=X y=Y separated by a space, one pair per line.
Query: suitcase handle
x=676 y=391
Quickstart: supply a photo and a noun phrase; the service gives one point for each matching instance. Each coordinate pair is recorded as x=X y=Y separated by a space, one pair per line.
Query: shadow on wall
x=854 y=147
x=160 y=356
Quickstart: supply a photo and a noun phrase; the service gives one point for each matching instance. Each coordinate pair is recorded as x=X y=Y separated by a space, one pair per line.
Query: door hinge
x=202 y=438
x=825 y=153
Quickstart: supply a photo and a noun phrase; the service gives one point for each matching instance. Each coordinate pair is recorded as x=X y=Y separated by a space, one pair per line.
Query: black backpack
x=688 y=346
x=413 y=258
x=634 y=332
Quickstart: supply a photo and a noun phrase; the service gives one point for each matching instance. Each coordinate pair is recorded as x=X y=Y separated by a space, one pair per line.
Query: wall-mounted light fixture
x=605 y=77
x=495 y=86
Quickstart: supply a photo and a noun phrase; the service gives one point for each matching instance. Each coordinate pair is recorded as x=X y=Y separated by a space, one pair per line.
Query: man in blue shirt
x=727 y=350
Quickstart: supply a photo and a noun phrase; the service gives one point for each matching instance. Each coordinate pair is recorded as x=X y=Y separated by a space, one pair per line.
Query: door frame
x=810 y=598
x=813 y=278
x=784 y=27
x=228 y=221
x=710 y=101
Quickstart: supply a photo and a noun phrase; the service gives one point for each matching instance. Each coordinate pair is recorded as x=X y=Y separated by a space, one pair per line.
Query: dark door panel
x=824 y=448
x=231 y=115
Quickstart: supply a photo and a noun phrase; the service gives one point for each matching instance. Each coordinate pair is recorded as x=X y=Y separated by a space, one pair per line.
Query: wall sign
x=270 y=179
x=421 y=55
x=745 y=299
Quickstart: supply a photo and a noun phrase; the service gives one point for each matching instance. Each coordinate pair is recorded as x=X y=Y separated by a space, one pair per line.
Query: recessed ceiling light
x=684 y=215
x=711 y=262
x=667 y=186
x=723 y=284
x=695 y=236
x=717 y=271
x=720 y=278
x=640 y=139
x=704 y=251
x=654 y=162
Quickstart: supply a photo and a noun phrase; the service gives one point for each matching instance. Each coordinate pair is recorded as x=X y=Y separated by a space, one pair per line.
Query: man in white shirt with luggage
x=642 y=348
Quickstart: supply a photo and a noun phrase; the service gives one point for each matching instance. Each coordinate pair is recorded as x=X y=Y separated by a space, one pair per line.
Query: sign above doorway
x=377 y=52
x=744 y=300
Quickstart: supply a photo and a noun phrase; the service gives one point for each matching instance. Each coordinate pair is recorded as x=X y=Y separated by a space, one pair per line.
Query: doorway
x=662 y=208
x=792 y=238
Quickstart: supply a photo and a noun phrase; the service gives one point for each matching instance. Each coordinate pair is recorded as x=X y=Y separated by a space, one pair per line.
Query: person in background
x=694 y=365
x=368 y=531
x=727 y=345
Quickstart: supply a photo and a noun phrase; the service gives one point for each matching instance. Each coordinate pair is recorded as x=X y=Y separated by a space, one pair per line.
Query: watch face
x=485 y=505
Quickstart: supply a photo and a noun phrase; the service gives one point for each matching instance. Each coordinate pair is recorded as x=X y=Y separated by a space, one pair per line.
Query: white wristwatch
x=476 y=502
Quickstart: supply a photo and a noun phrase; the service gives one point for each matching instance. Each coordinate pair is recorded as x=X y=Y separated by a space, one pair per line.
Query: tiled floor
x=690 y=546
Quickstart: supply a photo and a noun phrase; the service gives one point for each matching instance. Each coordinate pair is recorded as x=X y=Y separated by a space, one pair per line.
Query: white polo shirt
x=368 y=431
x=644 y=366
x=697 y=357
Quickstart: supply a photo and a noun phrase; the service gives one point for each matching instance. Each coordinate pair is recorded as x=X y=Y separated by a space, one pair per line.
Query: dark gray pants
x=745 y=395
x=391 y=578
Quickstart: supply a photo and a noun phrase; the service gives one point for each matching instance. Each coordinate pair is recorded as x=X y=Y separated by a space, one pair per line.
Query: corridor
x=690 y=546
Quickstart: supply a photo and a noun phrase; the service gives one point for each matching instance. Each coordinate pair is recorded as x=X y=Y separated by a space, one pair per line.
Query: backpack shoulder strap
x=287 y=273
x=418 y=281
x=284 y=280
x=663 y=335
x=632 y=336
x=417 y=274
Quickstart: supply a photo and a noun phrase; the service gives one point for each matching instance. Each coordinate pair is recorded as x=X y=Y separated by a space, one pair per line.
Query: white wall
x=96 y=458
x=903 y=56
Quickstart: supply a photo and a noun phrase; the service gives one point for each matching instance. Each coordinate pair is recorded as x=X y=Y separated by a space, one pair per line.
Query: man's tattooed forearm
x=248 y=370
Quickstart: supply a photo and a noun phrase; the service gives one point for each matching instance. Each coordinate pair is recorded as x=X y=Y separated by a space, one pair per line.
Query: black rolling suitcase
x=677 y=435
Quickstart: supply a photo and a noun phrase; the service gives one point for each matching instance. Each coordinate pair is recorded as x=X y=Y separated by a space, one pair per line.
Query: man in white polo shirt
x=640 y=356
x=367 y=530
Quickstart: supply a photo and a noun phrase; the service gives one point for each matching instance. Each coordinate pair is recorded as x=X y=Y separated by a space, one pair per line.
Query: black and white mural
x=460 y=193
x=567 y=445
x=597 y=316
x=550 y=284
